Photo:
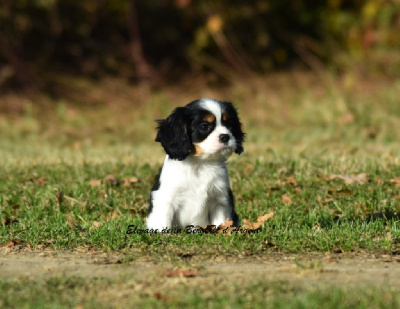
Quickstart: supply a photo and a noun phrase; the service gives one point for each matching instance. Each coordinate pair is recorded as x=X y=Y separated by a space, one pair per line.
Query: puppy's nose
x=224 y=138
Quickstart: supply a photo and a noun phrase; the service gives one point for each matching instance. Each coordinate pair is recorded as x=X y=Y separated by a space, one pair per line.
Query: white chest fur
x=191 y=192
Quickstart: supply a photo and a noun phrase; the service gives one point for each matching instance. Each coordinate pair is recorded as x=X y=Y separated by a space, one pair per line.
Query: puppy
x=193 y=185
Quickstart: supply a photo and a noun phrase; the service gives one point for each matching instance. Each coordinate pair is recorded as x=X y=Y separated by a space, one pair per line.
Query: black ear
x=173 y=136
x=235 y=127
x=239 y=136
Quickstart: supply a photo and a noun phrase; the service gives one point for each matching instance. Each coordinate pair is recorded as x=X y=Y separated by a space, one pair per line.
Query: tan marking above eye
x=225 y=116
x=209 y=118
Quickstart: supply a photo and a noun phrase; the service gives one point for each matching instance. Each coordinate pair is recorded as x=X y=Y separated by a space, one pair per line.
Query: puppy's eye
x=203 y=126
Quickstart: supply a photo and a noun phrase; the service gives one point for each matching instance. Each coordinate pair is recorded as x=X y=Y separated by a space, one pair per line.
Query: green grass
x=301 y=146
x=323 y=215
x=294 y=148
x=69 y=292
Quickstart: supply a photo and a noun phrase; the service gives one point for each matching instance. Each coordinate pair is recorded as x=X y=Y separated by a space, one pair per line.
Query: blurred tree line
x=165 y=40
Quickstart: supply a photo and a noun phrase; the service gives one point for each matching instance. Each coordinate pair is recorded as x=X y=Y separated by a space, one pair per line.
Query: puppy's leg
x=161 y=214
x=224 y=209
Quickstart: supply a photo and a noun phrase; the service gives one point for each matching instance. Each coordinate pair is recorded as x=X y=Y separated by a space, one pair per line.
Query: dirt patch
x=313 y=269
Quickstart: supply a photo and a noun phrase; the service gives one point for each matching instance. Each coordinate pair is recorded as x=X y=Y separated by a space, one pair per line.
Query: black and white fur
x=193 y=185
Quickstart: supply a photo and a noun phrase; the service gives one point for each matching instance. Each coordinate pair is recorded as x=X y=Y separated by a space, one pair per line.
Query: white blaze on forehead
x=214 y=107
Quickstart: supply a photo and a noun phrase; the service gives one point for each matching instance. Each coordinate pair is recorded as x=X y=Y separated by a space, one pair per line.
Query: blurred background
x=62 y=60
x=160 y=42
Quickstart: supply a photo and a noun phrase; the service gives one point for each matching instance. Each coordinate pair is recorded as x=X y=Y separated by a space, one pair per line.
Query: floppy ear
x=235 y=127
x=239 y=136
x=173 y=136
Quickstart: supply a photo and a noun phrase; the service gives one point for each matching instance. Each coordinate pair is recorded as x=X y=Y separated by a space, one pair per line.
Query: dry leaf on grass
x=285 y=170
x=395 y=181
x=225 y=228
x=113 y=215
x=291 y=181
x=112 y=180
x=95 y=182
x=71 y=221
x=228 y=223
x=286 y=198
x=39 y=180
x=128 y=181
x=13 y=242
x=260 y=220
x=350 y=179
x=346 y=118
x=95 y=225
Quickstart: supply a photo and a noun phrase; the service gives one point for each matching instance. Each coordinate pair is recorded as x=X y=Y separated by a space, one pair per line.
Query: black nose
x=224 y=138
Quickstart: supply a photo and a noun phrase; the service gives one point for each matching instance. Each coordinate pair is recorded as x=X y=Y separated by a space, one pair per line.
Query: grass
x=305 y=146
x=76 y=292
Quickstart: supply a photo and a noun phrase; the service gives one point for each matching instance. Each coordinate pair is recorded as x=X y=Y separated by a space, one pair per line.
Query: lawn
x=321 y=154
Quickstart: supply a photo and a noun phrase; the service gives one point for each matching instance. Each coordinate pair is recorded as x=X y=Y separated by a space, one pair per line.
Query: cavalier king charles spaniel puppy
x=193 y=188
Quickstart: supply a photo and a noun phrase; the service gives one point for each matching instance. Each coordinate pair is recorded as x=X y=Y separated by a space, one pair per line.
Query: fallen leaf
x=112 y=180
x=225 y=228
x=13 y=242
x=39 y=180
x=209 y=228
x=395 y=181
x=260 y=220
x=95 y=225
x=190 y=273
x=360 y=178
x=114 y=214
x=285 y=170
x=226 y=224
x=9 y=244
x=286 y=198
x=291 y=181
x=129 y=181
x=95 y=182
x=347 y=118
x=71 y=221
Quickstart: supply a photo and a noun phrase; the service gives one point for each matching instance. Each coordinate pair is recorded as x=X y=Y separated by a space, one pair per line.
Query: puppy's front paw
x=156 y=224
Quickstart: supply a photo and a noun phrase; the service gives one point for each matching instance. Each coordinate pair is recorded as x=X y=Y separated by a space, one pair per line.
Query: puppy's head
x=204 y=128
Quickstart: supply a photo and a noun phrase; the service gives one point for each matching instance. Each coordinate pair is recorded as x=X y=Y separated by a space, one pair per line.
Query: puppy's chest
x=203 y=184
